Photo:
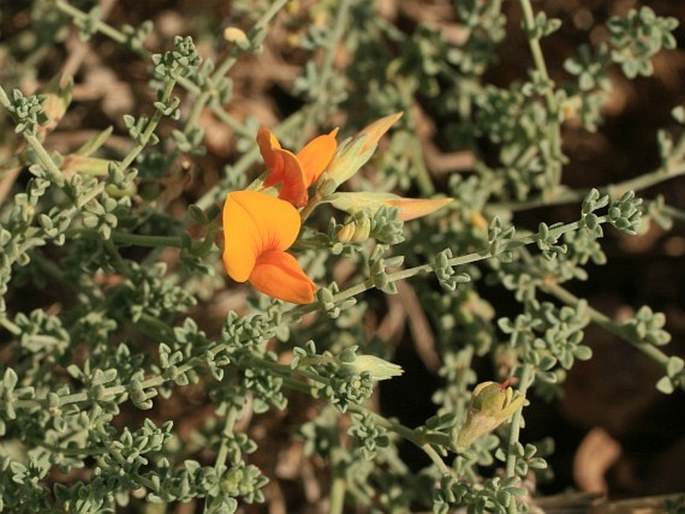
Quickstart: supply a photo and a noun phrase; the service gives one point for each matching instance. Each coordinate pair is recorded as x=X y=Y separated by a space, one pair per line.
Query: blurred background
x=612 y=430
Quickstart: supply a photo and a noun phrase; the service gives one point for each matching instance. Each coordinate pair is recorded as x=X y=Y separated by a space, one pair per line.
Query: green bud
x=354 y=152
x=378 y=368
x=362 y=230
x=491 y=405
x=346 y=233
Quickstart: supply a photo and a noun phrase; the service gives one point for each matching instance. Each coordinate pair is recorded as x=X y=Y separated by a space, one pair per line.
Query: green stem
x=406 y=433
x=608 y=324
x=44 y=158
x=527 y=375
x=463 y=364
x=187 y=84
x=155 y=327
x=313 y=203
x=340 y=471
x=161 y=330
x=455 y=261
x=643 y=181
x=221 y=71
x=270 y=13
x=338 y=488
x=437 y=460
x=100 y=26
x=75 y=451
x=226 y=435
x=321 y=94
x=127 y=239
x=534 y=42
x=198 y=106
x=4 y=99
x=89 y=196
x=51 y=269
x=144 y=138
x=205 y=95
x=552 y=104
x=10 y=326
x=423 y=178
x=36 y=145
x=332 y=44
x=674 y=213
x=613 y=190
x=229 y=120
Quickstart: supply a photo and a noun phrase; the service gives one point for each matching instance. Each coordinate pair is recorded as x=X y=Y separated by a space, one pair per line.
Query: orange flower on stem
x=295 y=172
x=258 y=228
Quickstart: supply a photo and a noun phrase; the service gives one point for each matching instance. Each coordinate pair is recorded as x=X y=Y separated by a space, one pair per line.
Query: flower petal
x=278 y=274
x=287 y=171
x=316 y=155
x=267 y=142
x=255 y=223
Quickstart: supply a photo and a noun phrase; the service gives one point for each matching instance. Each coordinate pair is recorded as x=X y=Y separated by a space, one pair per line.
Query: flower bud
x=363 y=229
x=346 y=233
x=491 y=404
x=354 y=152
x=413 y=208
x=375 y=130
x=378 y=368
x=409 y=208
x=325 y=187
x=236 y=36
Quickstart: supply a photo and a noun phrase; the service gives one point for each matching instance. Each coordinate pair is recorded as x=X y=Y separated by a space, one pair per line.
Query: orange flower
x=258 y=228
x=295 y=172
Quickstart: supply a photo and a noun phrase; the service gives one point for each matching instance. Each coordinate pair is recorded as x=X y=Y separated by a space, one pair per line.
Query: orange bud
x=354 y=152
x=412 y=208
x=375 y=131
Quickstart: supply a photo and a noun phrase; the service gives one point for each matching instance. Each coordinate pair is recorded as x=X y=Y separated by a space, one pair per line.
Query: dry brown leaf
x=596 y=454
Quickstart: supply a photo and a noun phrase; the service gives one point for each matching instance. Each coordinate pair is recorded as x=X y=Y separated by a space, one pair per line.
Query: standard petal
x=278 y=274
x=255 y=223
x=316 y=155
x=267 y=142
x=286 y=170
